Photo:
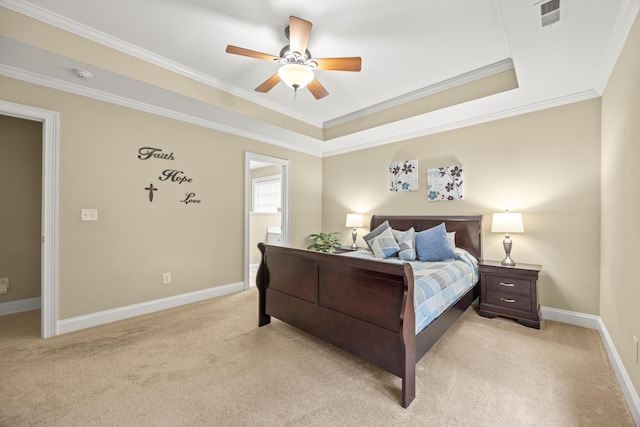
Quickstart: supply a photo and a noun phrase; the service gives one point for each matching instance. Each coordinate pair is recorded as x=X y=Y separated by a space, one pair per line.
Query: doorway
x=49 y=210
x=266 y=218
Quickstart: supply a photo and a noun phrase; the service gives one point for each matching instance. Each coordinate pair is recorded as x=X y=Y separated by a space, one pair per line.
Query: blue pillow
x=433 y=244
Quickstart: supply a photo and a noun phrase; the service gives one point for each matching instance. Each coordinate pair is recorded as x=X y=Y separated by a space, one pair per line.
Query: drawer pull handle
x=507 y=300
x=509 y=285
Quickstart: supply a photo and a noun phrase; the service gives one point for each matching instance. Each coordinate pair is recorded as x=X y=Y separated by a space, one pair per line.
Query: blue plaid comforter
x=437 y=284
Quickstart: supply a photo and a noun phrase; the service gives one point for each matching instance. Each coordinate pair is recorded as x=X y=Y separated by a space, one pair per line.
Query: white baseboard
x=570 y=317
x=595 y=322
x=108 y=316
x=19 y=306
x=621 y=373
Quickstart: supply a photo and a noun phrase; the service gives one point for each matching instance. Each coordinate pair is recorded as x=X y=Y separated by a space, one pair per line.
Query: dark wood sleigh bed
x=362 y=306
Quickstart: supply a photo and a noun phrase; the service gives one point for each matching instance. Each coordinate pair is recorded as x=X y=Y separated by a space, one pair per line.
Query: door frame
x=285 y=194
x=49 y=216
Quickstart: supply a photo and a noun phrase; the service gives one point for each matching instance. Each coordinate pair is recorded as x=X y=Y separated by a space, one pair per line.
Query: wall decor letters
x=175 y=176
x=156 y=153
x=445 y=183
x=167 y=175
x=403 y=176
x=189 y=198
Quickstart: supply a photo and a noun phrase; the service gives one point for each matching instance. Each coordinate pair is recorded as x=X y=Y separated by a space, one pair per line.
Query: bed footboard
x=361 y=306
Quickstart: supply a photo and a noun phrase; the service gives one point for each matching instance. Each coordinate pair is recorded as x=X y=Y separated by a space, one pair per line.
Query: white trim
x=49 y=249
x=286 y=197
x=127 y=312
x=626 y=385
x=570 y=317
x=595 y=322
x=254 y=267
x=27 y=76
x=624 y=22
x=459 y=124
x=59 y=21
x=471 y=76
x=19 y=306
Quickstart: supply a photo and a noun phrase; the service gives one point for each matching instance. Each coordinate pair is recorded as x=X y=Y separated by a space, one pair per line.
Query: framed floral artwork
x=445 y=183
x=403 y=176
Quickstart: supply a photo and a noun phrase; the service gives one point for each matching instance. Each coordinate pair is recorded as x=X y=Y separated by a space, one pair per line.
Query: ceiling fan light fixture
x=296 y=76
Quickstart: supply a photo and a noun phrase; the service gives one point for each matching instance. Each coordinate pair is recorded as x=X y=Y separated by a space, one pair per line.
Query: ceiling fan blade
x=317 y=90
x=269 y=84
x=339 y=64
x=250 y=53
x=299 y=31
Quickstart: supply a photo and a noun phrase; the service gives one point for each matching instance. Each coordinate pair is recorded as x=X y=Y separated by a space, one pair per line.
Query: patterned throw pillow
x=407 y=243
x=433 y=244
x=451 y=235
x=368 y=238
x=384 y=244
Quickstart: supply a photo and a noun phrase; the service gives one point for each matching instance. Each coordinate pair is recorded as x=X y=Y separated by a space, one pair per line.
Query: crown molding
x=59 y=21
x=38 y=79
x=23 y=75
x=624 y=22
x=480 y=73
x=471 y=121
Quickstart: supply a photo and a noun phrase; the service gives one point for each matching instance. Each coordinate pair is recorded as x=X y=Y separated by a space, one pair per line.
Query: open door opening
x=49 y=210
x=266 y=208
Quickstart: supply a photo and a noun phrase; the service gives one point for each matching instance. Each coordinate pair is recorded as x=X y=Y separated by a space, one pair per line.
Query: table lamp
x=507 y=222
x=355 y=221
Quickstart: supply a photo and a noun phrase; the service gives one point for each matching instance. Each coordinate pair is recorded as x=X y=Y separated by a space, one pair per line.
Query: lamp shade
x=295 y=76
x=507 y=222
x=354 y=220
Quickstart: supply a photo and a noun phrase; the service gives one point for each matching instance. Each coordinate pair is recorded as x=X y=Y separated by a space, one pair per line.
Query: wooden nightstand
x=510 y=292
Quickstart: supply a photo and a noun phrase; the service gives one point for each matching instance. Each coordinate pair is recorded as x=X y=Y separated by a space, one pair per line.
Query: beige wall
x=619 y=286
x=20 y=206
x=119 y=260
x=544 y=164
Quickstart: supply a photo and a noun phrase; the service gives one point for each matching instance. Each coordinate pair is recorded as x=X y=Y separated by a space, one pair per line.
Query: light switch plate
x=4 y=285
x=88 y=214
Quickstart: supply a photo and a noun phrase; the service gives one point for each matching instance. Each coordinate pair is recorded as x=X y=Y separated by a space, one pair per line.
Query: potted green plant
x=325 y=242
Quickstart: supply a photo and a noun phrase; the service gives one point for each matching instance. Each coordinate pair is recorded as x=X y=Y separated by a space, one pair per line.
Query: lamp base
x=508 y=261
x=354 y=234
x=506 y=243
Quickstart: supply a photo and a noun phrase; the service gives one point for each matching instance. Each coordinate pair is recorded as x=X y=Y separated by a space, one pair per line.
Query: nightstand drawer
x=508 y=300
x=508 y=284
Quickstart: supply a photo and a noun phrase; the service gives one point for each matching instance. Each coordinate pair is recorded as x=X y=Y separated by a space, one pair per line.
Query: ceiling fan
x=297 y=63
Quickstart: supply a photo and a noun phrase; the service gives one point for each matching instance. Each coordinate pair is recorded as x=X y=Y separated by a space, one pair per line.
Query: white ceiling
x=405 y=45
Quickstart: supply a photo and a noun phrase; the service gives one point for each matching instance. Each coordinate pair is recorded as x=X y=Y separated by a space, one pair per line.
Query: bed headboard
x=468 y=228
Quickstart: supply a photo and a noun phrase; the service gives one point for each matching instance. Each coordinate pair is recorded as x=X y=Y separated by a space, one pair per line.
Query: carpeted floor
x=208 y=364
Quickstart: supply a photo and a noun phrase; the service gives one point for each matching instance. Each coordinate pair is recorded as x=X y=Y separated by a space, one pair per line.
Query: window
x=266 y=194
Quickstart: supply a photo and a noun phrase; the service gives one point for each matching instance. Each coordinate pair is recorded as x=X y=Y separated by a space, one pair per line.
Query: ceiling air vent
x=548 y=12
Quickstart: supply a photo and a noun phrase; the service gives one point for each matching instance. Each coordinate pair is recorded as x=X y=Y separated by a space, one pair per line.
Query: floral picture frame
x=445 y=183
x=403 y=176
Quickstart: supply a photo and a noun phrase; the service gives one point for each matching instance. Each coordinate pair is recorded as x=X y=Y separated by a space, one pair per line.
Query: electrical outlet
x=4 y=285
x=635 y=349
x=166 y=278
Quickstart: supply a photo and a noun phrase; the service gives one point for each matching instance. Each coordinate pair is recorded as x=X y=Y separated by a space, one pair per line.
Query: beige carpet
x=208 y=364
